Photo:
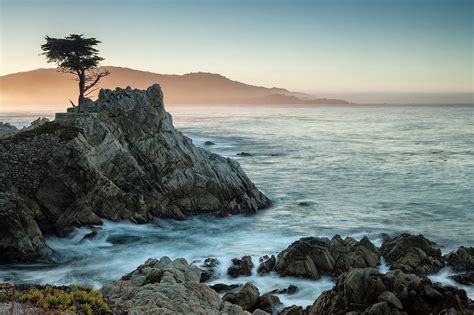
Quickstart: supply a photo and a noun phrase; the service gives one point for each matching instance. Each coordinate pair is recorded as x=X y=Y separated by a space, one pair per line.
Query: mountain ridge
x=47 y=86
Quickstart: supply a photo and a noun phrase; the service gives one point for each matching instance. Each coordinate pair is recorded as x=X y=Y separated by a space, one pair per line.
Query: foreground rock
x=162 y=287
x=172 y=287
x=412 y=254
x=120 y=159
x=313 y=257
x=366 y=291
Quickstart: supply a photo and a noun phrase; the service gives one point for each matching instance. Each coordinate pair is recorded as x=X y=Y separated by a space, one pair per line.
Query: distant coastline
x=48 y=87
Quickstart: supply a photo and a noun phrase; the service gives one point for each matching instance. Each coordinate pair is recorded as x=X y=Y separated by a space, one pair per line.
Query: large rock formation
x=412 y=254
x=119 y=159
x=172 y=287
x=313 y=257
x=366 y=291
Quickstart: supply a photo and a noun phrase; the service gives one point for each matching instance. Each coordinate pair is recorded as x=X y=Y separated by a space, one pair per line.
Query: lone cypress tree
x=77 y=55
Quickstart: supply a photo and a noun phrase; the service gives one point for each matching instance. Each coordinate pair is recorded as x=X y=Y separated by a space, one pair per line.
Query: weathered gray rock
x=412 y=254
x=120 y=159
x=266 y=264
x=461 y=259
x=40 y=121
x=162 y=287
x=222 y=287
x=293 y=310
x=313 y=257
x=240 y=267
x=7 y=130
x=208 y=270
x=247 y=297
x=366 y=291
x=20 y=236
x=268 y=302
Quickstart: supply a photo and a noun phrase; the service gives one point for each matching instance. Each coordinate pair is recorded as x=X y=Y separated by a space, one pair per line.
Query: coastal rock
x=209 y=266
x=313 y=257
x=162 y=287
x=20 y=236
x=293 y=310
x=222 y=287
x=268 y=302
x=209 y=143
x=241 y=267
x=7 y=130
x=366 y=291
x=120 y=159
x=244 y=154
x=412 y=254
x=290 y=290
x=266 y=264
x=461 y=259
x=466 y=278
x=247 y=297
x=40 y=121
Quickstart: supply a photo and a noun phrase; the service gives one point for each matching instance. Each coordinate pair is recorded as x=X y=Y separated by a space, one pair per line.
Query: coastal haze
x=243 y=128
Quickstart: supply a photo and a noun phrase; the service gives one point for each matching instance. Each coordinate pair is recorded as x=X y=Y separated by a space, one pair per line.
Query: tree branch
x=98 y=76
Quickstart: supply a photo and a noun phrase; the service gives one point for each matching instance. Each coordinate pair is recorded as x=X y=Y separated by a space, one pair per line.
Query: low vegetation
x=74 y=299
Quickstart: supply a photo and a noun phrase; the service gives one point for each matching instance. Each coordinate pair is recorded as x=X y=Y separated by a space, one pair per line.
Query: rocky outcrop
x=313 y=257
x=119 y=159
x=208 y=268
x=366 y=291
x=240 y=267
x=461 y=259
x=7 y=130
x=246 y=297
x=162 y=287
x=412 y=254
x=20 y=236
x=267 y=263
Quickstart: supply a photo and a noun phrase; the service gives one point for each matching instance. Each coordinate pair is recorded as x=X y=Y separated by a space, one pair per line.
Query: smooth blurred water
x=360 y=170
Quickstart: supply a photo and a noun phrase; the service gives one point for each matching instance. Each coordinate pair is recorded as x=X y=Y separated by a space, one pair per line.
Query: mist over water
x=351 y=170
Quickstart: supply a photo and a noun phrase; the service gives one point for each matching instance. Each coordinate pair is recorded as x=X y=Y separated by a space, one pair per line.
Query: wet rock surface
x=412 y=254
x=162 y=287
x=461 y=259
x=119 y=159
x=267 y=263
x=241 y=267
x=313 y=257
x=366 y=291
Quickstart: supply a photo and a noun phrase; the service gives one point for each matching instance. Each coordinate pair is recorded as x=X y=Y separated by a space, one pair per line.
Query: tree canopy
x=76 y=54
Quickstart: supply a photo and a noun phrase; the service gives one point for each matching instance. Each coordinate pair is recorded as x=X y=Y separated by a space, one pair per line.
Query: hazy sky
x=314 y=46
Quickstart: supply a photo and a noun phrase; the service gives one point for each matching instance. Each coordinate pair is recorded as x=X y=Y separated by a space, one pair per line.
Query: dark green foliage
x=76 y=54
x=75 y=298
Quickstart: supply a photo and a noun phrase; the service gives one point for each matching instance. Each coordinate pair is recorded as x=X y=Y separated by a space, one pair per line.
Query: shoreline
x=209 y=267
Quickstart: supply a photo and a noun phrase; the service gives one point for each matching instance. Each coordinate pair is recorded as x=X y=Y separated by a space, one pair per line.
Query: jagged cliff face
x=120 y=159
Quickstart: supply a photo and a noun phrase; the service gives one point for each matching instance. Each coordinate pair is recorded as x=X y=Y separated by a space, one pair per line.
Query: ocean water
x=349 y=170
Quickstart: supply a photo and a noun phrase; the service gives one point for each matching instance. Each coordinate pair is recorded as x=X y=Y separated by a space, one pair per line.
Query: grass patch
x=75 y=298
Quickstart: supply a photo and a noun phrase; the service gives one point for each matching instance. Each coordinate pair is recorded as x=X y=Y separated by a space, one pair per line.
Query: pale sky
x=326 y=46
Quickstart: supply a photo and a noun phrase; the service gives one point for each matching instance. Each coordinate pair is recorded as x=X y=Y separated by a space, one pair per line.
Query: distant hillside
x=290 y=99
x=49 y=87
